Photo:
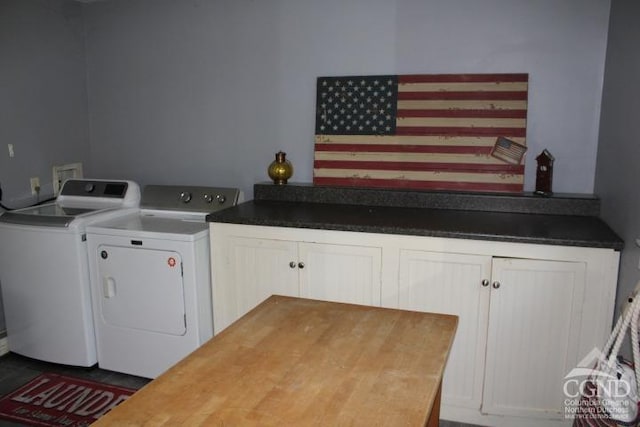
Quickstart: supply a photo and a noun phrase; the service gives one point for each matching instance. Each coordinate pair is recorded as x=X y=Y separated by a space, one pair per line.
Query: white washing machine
x=151 y=281
x=44 y=270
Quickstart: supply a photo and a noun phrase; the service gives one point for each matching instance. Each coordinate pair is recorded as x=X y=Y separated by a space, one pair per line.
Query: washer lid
x=78 y=198
x=51 y=215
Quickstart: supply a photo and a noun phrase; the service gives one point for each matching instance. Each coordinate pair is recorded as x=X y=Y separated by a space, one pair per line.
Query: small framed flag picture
x=508 y=151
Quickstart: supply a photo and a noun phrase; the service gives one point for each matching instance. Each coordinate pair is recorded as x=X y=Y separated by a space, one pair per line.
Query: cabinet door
x=452 y=284
x=340 y=273
x=249 y=271
x=534 y=324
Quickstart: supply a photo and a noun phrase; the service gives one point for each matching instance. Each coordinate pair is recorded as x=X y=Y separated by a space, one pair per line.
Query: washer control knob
x=221 y=198
x=208 y=198
x=185 y=197
x=89 y=187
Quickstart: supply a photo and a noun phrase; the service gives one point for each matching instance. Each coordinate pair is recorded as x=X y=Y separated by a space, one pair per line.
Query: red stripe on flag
x=420 y=166
x=462 y=78
x=422 y=185
x=458 y=131
x=480 y=95
x=393 y=148
x=490 y=114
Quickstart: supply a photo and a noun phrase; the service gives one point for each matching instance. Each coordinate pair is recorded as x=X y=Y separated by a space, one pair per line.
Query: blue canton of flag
x=356 y=105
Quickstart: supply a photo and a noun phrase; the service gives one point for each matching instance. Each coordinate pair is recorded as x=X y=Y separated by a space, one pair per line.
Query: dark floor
x=16 y=371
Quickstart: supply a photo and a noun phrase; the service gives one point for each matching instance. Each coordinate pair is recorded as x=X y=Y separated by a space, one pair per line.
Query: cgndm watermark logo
x=601 y=389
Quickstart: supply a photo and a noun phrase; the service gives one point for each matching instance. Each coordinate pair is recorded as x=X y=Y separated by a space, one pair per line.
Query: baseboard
x=4 y=346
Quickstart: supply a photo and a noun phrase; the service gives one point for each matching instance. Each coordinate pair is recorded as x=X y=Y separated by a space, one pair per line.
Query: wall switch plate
x=11 y=152
x=35 y=185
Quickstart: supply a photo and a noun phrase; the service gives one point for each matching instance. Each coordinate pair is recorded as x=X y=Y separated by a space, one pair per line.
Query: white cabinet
x=340 y=273
x=452 y=284
x=248 y=271
x=522 y=313
x=528 y=313
x=534 y=320
x=252 y=263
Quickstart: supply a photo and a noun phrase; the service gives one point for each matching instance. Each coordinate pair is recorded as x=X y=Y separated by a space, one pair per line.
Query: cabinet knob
x=301 y=265
x=495 y=285
x=292 y=264
x=485 y=283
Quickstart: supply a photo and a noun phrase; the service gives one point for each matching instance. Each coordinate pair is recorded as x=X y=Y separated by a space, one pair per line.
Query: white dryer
x=151 y=281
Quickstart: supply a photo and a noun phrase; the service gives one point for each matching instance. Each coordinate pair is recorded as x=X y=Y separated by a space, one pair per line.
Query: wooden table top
x=293 y=361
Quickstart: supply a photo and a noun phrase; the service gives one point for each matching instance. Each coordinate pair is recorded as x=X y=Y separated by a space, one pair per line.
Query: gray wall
x=205 y=92
x=43 y=99
x=618 y=172
x=43 y=102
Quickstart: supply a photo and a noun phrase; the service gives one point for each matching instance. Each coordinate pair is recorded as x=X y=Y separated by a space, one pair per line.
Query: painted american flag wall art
x=462 y=132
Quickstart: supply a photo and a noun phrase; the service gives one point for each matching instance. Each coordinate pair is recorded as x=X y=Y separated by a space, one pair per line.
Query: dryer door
x=141 y=289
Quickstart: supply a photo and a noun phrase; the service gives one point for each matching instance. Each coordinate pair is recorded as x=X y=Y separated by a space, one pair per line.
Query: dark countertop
x=510 y=224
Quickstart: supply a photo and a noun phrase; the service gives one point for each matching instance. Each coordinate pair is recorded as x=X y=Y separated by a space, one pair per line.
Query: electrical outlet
x=11 y=152
x=35 y=185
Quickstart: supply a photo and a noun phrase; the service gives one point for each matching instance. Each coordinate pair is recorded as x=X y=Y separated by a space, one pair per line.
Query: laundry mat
x=58 y=400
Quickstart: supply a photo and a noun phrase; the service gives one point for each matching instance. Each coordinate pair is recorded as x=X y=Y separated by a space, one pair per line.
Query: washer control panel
x=98 y=193
x=94 y=188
